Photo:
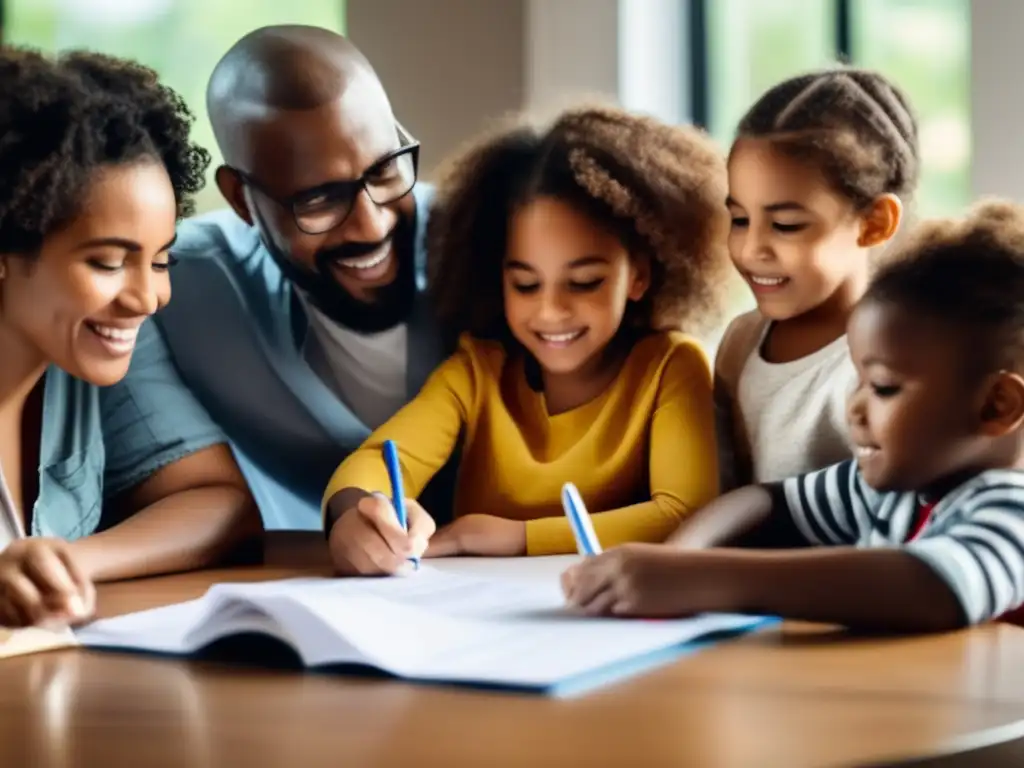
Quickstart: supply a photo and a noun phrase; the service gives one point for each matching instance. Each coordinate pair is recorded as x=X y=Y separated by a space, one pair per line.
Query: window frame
x=699 y=76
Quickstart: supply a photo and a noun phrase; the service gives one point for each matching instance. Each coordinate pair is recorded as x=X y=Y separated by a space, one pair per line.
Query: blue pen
x=390 y=451
x=586 y=540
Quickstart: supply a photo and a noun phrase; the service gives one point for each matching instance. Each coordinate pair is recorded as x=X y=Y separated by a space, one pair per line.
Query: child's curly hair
x=660 y=188
x=854 y=123
x=967 y=273
x=62 y=119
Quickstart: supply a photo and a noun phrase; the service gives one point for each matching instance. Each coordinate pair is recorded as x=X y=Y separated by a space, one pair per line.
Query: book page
x=433 y=624
x=160 y=630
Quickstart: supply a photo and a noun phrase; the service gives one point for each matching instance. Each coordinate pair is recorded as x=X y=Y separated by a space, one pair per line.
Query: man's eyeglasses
x=323 y=208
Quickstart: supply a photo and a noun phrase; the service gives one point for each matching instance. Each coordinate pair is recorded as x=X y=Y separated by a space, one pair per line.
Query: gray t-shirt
x=367 y=371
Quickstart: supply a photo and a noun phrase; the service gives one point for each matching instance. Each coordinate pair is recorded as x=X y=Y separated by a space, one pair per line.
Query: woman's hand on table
x=40 y=583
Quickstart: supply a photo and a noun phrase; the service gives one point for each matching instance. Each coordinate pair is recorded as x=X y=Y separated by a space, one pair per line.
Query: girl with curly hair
x=567 y=262
x=97 y=167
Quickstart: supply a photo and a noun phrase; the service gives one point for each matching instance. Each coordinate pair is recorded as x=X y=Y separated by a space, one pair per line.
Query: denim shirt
x=237 y=330
x=97 y=442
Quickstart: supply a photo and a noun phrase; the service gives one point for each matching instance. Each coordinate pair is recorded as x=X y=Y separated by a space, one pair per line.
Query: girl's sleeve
x=425 y=431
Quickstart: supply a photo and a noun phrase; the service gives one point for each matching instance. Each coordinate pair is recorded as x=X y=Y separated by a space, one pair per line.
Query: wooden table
x=796 y=696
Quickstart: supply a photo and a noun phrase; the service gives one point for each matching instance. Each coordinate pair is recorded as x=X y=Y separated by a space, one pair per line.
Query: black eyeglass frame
x=352 y=187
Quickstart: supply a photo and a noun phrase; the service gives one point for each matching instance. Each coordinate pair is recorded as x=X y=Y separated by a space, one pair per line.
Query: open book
x=431 y=625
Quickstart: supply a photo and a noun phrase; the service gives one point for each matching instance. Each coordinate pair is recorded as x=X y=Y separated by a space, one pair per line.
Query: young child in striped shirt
x=924 y=529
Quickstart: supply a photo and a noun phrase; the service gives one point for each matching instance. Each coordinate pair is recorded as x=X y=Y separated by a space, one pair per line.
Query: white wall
x=452 y=66
x=449 y=66
x=653 y=58
x=997 y=99
x=572 y=52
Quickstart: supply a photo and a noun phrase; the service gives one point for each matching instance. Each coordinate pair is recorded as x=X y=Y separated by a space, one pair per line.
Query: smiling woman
x=82 y=297
x=98 y=167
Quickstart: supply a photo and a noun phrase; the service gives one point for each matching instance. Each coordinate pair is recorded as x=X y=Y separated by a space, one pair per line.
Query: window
x=181 y=39
x=754 y=44
x=922 y=45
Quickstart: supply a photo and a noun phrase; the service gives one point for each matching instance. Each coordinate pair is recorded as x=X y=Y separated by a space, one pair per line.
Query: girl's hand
x=649 y=580
x=368 y=541
x=484 y=535
x=40 y=583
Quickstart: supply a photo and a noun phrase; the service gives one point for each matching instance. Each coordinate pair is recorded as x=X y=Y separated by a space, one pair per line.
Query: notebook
x=430 y=625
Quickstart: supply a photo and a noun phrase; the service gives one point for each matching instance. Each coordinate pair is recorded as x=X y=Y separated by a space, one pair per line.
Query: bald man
x=298 y=317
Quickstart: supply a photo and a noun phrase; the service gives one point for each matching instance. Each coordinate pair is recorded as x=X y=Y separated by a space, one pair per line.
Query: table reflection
x=68 y=709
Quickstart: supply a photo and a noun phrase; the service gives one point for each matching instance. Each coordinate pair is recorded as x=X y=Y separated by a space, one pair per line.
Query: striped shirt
x=973 y=540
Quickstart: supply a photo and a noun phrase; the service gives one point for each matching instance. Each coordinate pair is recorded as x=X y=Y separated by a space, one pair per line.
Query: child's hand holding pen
x=367 y=539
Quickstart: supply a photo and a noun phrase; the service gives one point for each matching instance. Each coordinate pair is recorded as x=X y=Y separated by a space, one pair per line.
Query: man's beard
x=391 y=303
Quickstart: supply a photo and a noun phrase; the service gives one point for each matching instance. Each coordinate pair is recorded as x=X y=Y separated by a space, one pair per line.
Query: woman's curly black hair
x=63 y=118
x=661 y=188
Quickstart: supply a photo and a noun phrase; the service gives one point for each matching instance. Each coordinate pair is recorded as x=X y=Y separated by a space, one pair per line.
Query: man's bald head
x=282 y=68
x=302 y=122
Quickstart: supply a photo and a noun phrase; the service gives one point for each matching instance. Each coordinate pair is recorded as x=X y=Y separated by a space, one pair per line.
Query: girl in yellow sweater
x=566 y=262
